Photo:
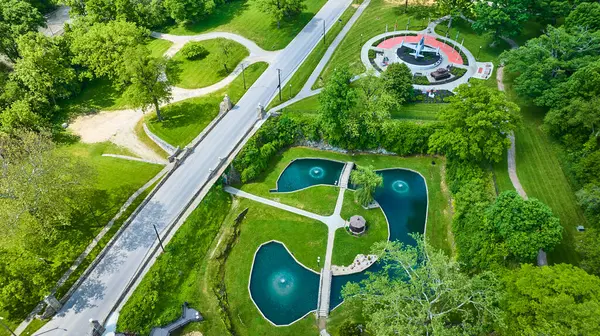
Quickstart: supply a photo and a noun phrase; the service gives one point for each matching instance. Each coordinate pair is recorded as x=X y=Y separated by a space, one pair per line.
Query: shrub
x=458 y=72
x=194 y=51
x=420 y=80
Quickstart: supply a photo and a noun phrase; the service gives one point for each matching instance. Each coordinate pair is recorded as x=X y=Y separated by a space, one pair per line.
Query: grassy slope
x=304 y=237
x=99 y=94
x=184 y=120
x=346 y=245
x=247 y=19
x=372 y=22
x=192 y=74
x=300 y=77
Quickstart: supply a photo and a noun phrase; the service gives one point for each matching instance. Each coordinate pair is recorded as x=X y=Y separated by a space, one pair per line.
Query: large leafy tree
x=100 y=47
x=588 y=247
x=17 y=17
x=551 y=300
x=476 y=124
x=367 y=181
x=44 y=68
x=454 y=7
x=397 y=81
x=188 y=10
x=524 y=226
x=20 y=115
x=420 y=291
x=149 y=85
x=281 y=9
x=336 y=101
x=146 y=13
x=500 y=17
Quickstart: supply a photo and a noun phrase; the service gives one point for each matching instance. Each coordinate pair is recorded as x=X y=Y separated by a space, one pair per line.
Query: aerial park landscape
x=299 y=167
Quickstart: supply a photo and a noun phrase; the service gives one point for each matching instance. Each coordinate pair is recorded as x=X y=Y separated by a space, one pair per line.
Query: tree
x=40 y=189
x=280 y=9
x=149 y=85
x=145 y=13
x=335 y=103
x=420 y=291
x=588 y=247
x=501 y=17
x=586 y=15
x=348 y=328
x=188 y=10
x=476 y=124
x=44 y=68
x=224 y=52
x=17 y=17
x=19 y=115
x=101 y=47
x=367 y=180
x=525 y=226
x=397 y=81
x=551 y=300
x=453 y=7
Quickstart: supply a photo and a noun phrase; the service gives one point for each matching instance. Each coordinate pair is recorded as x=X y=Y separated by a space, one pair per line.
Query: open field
x=244 y=17
x=208 y=70
x=184 y=120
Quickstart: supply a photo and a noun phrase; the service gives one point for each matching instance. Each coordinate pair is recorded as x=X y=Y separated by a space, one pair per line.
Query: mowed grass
x=501 y=178
x=372 y=22
x=100 y=94
x=540 y=173
x=418 y=111
x=473 y=41
x=298 y=80
x=193 y=74
x=305 y=238
x=346 y=245
x=183 y=121
x=247 y=19
x=439 y=215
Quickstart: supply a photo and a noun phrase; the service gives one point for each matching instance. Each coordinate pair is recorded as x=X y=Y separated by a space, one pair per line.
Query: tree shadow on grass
x=174 y=70
x=222 y=15
x=188 y=113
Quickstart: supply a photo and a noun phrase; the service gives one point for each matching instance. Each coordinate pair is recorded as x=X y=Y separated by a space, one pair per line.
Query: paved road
x=100 y=292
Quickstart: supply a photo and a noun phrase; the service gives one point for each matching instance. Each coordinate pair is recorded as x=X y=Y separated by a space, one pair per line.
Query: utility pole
x=243 y=75
x=6 y=327
x=159 y=240
x=324 y=42
x=479 y=52
x=279 y=86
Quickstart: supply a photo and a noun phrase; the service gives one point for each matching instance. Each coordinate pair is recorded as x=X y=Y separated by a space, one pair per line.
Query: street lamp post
x=319 y=262
x=290 y=91
x=6 y=327
x=478 y=52
x=243 y=75
x=279 y=86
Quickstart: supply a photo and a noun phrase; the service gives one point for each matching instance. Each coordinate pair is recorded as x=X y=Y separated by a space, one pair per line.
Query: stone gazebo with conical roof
x=357 y=224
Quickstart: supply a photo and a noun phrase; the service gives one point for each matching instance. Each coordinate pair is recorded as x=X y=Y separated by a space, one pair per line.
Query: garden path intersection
x=110 y=281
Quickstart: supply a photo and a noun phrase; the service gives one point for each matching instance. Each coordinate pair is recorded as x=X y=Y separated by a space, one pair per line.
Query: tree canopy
x=524 y=226
x=367 y=180
x=281 y=9
x=551 y=300
x=420 y=291
x=17 y=17
x=476 y=124
x=397 y=81
x=500 y=17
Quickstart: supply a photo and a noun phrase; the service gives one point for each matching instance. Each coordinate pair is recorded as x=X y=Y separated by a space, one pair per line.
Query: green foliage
x=281 y=9
x=501 y=17
x=588 y=247
x=276 y=134
x=146 y=13
x=194 y=51
x=148 y=87
x=405 y=137
x=349 y=328
x=17 y=17
x=44 y=67
x=188 y=10
x=367 y=181
x=172 y=280
x=585 y=15
x=476 y=124
x=18 y=116
x=454 y=7
x=422 y=291
x=552 y=300
x=420 y=80
x=397 y=81
x=100 y=48
x=524 y=226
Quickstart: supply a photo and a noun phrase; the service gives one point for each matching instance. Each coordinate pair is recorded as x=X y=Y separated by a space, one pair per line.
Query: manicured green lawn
x=308 y=105
x=158 y=47
x=184 y=120
x=305 y=238
x=473 y=41
x=298 y=80
x=247 y=19
x=541 y=174
x=439 y=216
x=418 y=111
x=501 y=177
x=372 y=22
x=192 y=74
x=346 y=245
